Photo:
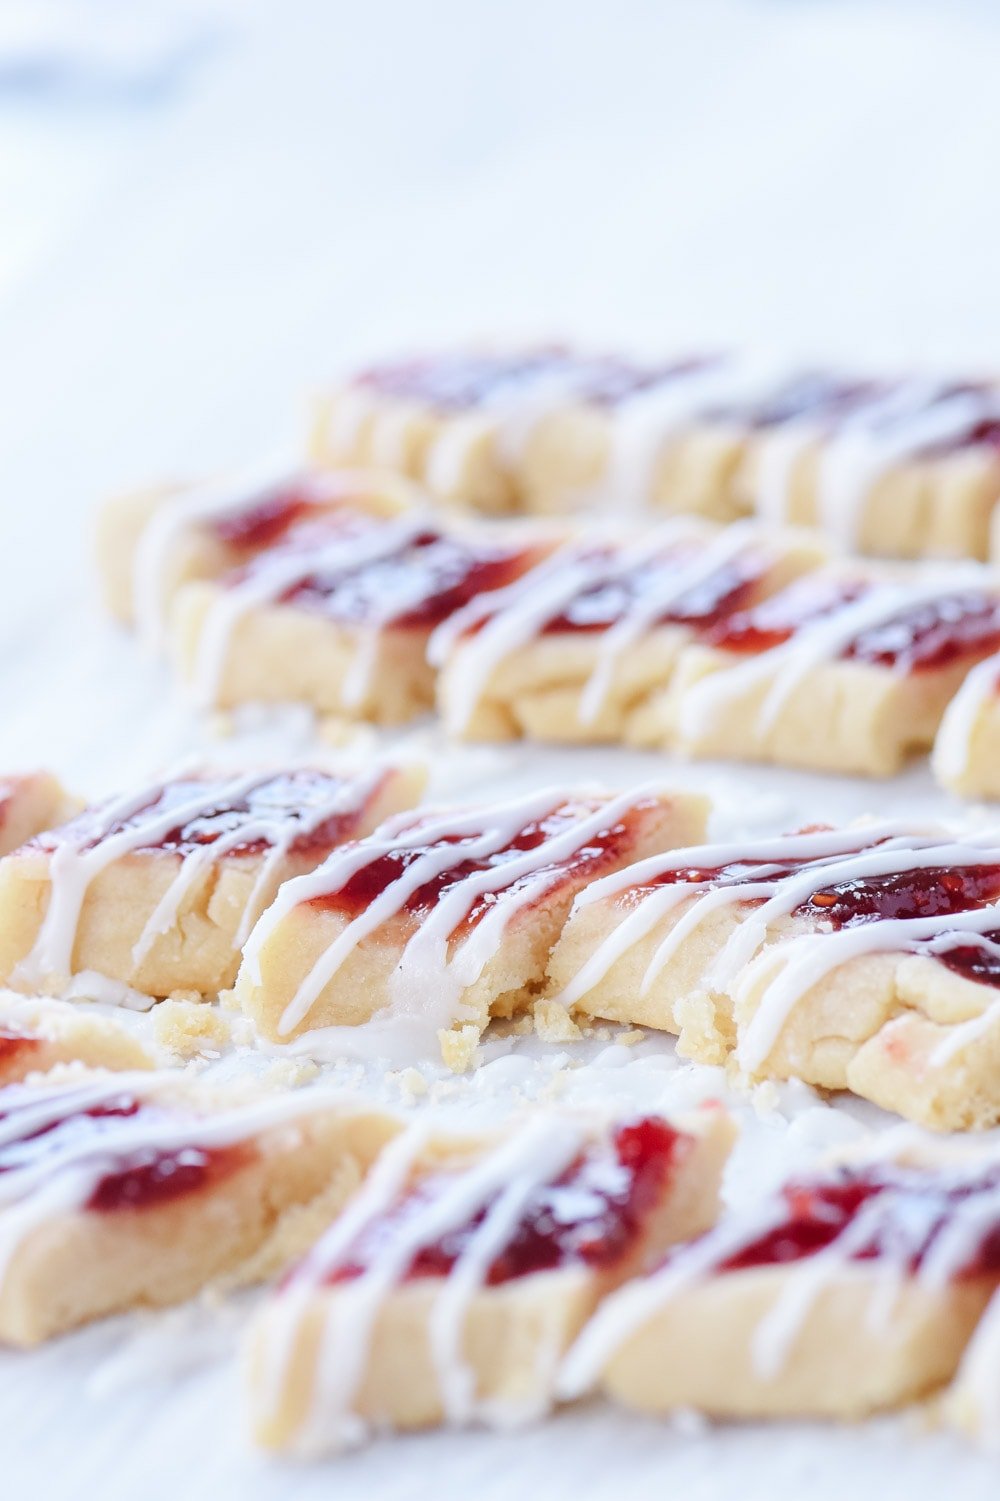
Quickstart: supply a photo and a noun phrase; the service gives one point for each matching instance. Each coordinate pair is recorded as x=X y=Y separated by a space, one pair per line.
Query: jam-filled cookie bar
x=576 y=649
x=845 y=670
x=156 y=890
x=151 y=542
x=339 y=614
x=404 y=941
x=454 y=1282
x=851 y=1290
x=547 y=430
x=133 y=1190
x=863 y=958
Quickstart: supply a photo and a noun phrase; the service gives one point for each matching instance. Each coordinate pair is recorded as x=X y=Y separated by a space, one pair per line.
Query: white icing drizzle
x=501 y=1182
x=510 y=618
x=914 y=417
x=50 y=1171
x=79 y=857
x=427 y=987
x=642 y=425
x=282 y=569
x=167 y=526
x=900 y=1239
x=277 y=827
x=806 y=960
x=953 y=746
x=644 y=612
x=825 y=853
x=640 y=422
x=813 y=643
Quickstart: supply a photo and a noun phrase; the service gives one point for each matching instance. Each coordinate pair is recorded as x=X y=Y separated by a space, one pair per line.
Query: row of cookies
x=335 y=913
x=898 y=467
x=717 y=641
x=431 y=1275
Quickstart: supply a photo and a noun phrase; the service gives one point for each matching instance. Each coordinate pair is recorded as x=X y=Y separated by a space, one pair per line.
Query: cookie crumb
x=553 y=1023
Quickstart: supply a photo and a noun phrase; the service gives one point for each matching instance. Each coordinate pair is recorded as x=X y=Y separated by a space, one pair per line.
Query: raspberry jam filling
x=972 y=961
x=932 y=635
x=287 y=796
x=594 y=1214
x=906 y=1213
x=264 y=522
x=139 y=1179
x=932 y=892
x=927 y=637
x=368 y=883
x=729 y=588
x=775 y=621
x=15 y=1045
x=429 y=577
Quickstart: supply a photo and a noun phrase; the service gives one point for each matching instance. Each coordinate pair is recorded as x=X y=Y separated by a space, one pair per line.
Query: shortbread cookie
x=864 y=958
x=452 y=1285
x=900 y=468
x=136 y=1190
x=575 y=649
x=972 y=1404
x=151 y=542
x=842 y=671
x=548 y=430
x=847 y=1292
x=36 y=1034
x=158 y=889
x=29 y=804
x=339 y=614
x=897 y=1000
x=966 y=756
x=442 y=918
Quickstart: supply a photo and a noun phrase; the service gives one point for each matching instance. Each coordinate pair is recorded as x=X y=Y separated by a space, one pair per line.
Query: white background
x=205 y=210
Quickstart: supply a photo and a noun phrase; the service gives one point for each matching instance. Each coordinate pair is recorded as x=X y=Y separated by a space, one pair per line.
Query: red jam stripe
x=911 y=1210
x=728 y=589
x=930 y=892
x=442 y=573
x=264 y=522
x=361 y=890
x=144 y=1179
x=286 y=795
x=592 y=1215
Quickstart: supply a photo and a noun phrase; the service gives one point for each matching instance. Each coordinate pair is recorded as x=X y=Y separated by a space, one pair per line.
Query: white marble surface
x=181 y=258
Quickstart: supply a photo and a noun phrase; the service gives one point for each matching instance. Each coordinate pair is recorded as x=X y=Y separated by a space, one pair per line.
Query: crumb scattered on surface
x=631 y=1038
x=459 y=1047
x=188 y=1028
x=553 y=1022
x=412 y=1083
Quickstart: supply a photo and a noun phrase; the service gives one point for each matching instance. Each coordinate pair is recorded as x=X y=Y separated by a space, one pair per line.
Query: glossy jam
x=727 y=589
x=595 y=1214
x=928 y=637
x=590 y=860
x=138 y=1179
x=932 y=636
x=908 y=1209
x=264 y=522
x=933 y=892
x=435 y=574
x=776 y=620
x=972 y=961
x=461 y=382
x=14 y=1048
x=285 y=796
